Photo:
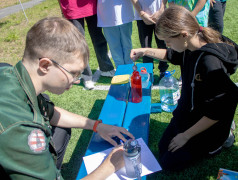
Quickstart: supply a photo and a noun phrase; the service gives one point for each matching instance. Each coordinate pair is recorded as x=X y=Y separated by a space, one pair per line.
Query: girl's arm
x=200 y=4
x=150 y=52
x=178 y=141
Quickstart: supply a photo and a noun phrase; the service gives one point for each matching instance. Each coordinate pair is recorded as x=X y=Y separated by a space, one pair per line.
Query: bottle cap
x=131 y=147
x=143 y=70
x=169 y=73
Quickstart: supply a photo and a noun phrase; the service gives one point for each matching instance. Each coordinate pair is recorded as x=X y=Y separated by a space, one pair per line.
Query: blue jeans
x=216 y=15
x=119 y=41
x=98 y=40
x=145 y=36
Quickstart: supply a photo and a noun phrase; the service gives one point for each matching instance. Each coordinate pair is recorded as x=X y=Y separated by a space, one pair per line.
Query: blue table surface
x=122 y=112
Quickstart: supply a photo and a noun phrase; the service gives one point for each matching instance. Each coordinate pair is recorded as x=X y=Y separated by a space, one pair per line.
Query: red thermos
x=136 y=87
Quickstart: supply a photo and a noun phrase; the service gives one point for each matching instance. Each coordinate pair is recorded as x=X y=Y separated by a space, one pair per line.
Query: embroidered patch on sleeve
x=36 y=141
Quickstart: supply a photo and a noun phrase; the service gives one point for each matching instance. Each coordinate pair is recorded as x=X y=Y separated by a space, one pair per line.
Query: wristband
x=96 y=125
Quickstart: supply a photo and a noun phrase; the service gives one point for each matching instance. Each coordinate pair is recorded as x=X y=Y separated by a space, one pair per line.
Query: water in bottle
x=145 y=77
x=136 y=87
x=169 y=92
x=132 y=158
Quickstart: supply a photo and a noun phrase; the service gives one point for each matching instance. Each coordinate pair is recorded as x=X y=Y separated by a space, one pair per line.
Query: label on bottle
x=176 y=96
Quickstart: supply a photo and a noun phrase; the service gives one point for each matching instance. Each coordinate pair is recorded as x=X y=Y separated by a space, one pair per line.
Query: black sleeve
x=46 y=106
x=221 y=93
x=174 y=57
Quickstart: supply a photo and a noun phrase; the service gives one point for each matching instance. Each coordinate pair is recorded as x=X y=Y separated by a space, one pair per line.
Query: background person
x=202 y=120
x=77 y=12
x=147 y=13
x=216 y=14
x=115 y=17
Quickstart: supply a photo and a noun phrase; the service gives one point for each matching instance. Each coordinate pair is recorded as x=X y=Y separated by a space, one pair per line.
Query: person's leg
x=126 y=32
x=87 y=73
x=223 y=7
x=163 y=66
x=99 y=44
x=216 y=17
x=177 y=160
x=61 y=137
x=112 y=35
x=145 y=36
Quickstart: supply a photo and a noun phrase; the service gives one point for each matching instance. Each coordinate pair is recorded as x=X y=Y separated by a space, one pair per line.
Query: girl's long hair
x=176 y=19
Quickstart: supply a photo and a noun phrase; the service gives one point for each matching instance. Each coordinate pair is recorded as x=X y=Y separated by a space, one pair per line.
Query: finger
x=175 y=149
x=118 y=148
x=112 y=142
x=124 y=131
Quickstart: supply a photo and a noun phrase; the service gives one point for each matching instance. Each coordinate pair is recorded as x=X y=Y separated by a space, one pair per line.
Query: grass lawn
x=7 y=3
x=89 y=103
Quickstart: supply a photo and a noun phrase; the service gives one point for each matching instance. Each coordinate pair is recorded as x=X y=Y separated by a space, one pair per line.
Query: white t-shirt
x=114 y=12
x=149 y=6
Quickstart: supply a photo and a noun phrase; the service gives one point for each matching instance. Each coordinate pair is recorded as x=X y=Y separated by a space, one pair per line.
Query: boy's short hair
x=58 y=39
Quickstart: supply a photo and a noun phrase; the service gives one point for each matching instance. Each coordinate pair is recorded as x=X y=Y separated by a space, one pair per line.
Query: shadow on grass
x=3 y=23
x=70 y=169
x=206 y=168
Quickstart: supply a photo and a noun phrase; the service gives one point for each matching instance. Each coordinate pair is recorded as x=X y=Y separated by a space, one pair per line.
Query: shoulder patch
x=36 y=141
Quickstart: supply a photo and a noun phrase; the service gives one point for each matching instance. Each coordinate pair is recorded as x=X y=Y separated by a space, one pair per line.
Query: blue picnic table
x=118 y=110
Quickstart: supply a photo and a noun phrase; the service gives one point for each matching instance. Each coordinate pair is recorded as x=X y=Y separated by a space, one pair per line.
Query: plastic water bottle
x=169 y=92
x=136 y=87
x=132 y=158
x=145 y=77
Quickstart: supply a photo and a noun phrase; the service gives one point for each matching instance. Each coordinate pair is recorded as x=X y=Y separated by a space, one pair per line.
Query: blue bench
x=118 y=110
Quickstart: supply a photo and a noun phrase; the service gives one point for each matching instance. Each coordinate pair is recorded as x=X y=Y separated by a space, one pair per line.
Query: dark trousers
x=98 y=40
x=216 y=15
x=61 y=137
x=177 y=160
x=145 y=35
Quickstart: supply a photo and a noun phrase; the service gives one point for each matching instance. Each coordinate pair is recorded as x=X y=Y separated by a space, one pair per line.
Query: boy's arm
x=63 y=118
x=200 y=4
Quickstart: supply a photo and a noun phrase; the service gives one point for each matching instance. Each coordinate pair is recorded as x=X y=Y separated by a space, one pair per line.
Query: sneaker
x=108 y=73
x=89 y=85
x=230 y=140
x=87 y=82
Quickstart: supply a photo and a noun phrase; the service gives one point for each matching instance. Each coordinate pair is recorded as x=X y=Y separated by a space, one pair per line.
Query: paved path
x=16 y=8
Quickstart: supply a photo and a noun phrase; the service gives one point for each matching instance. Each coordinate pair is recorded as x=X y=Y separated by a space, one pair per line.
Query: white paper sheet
x=149 y=162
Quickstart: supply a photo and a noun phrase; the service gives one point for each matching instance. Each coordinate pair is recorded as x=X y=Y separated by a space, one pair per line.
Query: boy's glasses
x=75 y=77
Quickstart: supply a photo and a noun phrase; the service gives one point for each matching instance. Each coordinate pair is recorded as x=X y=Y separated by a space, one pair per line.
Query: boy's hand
x=107 y=132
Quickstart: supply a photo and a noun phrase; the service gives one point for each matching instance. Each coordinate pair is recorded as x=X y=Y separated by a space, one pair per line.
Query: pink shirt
x=75 y=9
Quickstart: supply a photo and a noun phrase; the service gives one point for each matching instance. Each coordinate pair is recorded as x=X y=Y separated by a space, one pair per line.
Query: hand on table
x=107 y=132
x=177 y=142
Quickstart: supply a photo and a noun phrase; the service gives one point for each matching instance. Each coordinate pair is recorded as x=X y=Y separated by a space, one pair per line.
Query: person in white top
x=115 y=17
x=147 y=13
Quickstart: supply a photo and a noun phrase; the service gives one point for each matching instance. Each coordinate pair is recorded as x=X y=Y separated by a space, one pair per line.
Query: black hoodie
x=206 y=88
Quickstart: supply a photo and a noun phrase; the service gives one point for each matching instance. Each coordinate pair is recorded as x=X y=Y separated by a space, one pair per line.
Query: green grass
x=13 y=30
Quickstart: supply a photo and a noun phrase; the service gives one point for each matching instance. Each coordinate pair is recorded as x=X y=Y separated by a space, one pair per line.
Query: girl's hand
x=136 y=54
x=177 y=142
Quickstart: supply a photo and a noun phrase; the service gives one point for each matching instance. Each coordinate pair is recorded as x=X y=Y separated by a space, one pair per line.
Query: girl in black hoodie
x=202 y=120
